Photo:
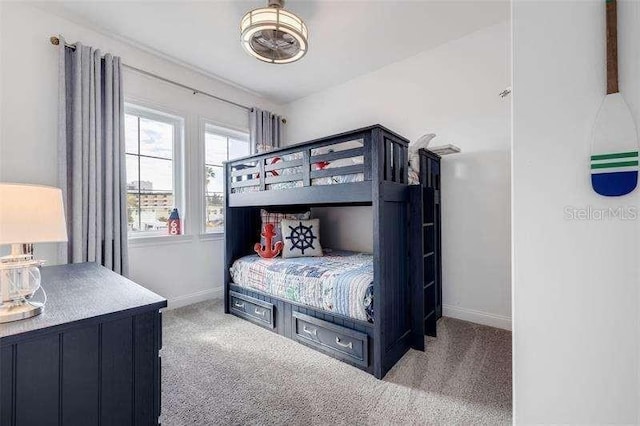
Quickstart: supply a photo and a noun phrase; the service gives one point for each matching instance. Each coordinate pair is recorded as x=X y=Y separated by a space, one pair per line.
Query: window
x=220 y=145
x=153 y=153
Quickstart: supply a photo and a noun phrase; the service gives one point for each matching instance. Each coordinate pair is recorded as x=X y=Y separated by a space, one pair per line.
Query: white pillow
x=341 y=162
x=301 y=238
x=415 y=146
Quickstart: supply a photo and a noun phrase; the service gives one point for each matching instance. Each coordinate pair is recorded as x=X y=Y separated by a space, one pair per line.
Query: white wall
x=452 y=91
x=183 y=270
x=576 y=330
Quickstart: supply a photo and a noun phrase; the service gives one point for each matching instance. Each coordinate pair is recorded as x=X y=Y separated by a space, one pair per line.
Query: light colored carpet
x=221 y=370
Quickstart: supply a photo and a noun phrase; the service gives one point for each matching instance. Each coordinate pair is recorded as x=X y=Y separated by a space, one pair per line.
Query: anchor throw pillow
x=301 y=238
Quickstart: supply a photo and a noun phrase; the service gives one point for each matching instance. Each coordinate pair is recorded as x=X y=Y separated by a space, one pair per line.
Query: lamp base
x=19 y=312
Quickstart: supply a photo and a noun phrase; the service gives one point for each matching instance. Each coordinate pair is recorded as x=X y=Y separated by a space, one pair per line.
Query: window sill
x=212 y=236
x=159 y=240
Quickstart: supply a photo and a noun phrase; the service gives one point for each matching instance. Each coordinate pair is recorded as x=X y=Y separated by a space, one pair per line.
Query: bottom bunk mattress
x=340 y=282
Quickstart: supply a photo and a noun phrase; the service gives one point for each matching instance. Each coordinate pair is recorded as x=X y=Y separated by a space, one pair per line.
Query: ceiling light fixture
x=273 y=34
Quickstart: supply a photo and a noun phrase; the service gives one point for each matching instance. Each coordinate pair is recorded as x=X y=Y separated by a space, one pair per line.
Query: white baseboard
x=200 y=296
x=478 y=317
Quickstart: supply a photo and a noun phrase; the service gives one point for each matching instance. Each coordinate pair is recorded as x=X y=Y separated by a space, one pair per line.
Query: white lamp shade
x=31 y=214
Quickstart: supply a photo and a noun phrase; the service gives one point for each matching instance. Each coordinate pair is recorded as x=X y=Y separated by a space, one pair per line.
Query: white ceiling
x=346 y=38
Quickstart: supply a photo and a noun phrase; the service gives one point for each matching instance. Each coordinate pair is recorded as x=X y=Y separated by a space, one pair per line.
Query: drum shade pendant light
x=273 y=34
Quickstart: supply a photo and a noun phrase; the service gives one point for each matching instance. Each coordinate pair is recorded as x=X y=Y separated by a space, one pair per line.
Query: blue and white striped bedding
x=340 y=282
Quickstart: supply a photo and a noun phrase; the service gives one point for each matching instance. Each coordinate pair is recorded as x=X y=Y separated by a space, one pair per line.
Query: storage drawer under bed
x=340 y=342
x=257 y=311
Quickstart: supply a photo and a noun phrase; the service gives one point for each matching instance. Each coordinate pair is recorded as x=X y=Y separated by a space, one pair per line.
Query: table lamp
x=28 y=214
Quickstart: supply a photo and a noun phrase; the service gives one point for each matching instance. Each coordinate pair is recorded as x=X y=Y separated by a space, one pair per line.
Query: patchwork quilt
x=340 y=282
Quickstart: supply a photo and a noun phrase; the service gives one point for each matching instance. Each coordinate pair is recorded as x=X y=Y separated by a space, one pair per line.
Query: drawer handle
x=313 y=332
x=238 y=305
x=344 y=345
x=260 y=312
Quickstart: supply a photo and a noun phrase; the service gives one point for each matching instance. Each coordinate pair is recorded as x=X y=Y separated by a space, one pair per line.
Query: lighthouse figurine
x=174 y=223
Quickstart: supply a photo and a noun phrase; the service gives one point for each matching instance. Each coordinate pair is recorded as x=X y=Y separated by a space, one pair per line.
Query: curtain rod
x=55 y=40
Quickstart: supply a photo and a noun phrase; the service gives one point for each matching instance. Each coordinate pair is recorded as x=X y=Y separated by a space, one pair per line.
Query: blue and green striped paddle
x=614 y=159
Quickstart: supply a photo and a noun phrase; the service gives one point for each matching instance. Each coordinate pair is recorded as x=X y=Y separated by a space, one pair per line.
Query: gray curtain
x=91 y=157
x=265 y=129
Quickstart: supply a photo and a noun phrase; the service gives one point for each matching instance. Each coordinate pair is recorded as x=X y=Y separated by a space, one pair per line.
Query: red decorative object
x=174 y=223
x=269 y=251
x=321 y=165
x=274 y=160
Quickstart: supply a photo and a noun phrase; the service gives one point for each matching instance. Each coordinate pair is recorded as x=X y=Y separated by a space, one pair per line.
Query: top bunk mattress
x=328 y=180
x=340 y=282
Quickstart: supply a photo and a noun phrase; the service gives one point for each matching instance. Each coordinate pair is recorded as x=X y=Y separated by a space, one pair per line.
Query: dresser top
x=80 y=292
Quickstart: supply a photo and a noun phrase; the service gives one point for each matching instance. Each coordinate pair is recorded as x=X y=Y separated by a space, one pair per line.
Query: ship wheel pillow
x=301 y=238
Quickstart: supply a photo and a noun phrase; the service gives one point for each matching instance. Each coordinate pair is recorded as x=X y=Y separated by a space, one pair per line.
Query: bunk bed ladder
x=435 y=181
x=430 y=252
x=423 y=260
x=416 y=271
x=426 y=236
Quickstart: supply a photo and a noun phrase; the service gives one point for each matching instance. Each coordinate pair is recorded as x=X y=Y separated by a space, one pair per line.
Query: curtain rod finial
x=55 y=40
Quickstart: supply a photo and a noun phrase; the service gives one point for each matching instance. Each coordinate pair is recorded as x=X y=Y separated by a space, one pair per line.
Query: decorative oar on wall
x=614 y=159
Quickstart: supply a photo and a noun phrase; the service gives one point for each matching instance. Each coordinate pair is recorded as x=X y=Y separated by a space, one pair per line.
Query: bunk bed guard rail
x=339 y=159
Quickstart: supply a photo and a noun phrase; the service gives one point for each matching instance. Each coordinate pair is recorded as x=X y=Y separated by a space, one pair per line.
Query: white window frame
x=178 y=180
x=210 y=126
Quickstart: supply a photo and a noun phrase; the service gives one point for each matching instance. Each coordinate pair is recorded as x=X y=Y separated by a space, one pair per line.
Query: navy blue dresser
x=91 y=358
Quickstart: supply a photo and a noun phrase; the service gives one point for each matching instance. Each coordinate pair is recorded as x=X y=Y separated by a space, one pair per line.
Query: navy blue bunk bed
x=381 y=181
